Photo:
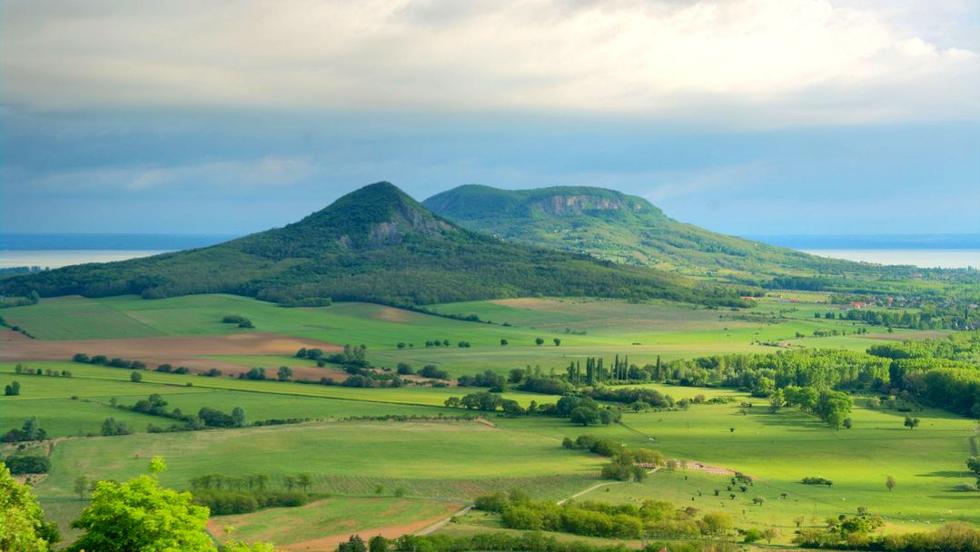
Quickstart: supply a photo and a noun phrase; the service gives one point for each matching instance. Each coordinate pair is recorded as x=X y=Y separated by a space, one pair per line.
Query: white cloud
x=784 y=61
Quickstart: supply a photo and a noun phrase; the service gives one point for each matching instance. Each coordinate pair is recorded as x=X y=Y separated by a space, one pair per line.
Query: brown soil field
x=329 y=543
x=178 y=351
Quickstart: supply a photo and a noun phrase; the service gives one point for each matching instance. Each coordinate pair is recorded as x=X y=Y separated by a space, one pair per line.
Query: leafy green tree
x=538 y=341
x=238 y=415
x=557 y=341
x=717 y=523
x=503 y=342
x=284 y=373
x=890 y=483
x=973 y=463
x=81 y=486
x=584 y=416
x=135 y=377
x=911 y=422
x=354 y=544
x=12 y=390
x=139 y=514
x=22 y=525
x=378 y=543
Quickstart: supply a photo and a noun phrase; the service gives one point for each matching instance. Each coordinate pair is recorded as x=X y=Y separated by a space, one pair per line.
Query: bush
x=405 y=369
x=816 y=481
x=433 y=372
x=20 y=465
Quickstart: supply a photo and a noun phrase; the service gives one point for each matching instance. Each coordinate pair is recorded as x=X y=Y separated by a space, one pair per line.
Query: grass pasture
x=325 y=523
x=586 y=327
x=439 y=464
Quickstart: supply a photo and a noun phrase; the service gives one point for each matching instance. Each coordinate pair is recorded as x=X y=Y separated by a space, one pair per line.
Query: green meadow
x=367 y=471
x=585 y=327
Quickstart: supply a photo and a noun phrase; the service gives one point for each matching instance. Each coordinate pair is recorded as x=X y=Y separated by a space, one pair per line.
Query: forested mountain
x=374 y=244
x=625 y=229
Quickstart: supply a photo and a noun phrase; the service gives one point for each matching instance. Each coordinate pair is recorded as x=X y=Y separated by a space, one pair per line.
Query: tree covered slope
x=625 y=229
x=374 y=244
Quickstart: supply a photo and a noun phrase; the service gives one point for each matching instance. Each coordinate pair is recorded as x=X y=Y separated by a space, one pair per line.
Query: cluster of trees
x=353 y=358
x=642 y=398
x=580 y=410
x=225 y=495
x=112 y=427
x=813 y=480
x=28 y=371
x=30 y=431
x=489 y=378
x=597 y=519
x=596 y=371
x=930 y=318
x=938 y=373
x=156 y=405
x=169 y=368
x=11 y=389
x=848 y=529
x=239 y=320
x=833 y=407
x=432 y=371
x=626 y=464
x=487 y=402
x=497 y=541
x=114 y=362
x=22 y=464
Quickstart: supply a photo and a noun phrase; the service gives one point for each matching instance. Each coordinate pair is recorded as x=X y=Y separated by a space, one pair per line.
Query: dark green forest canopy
x=375 y=244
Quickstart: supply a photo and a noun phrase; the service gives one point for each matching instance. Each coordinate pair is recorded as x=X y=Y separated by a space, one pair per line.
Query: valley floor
x=397 y=460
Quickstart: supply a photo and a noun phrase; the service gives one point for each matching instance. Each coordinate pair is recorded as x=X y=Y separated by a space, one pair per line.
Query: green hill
x=375 y=244
x=625 y=229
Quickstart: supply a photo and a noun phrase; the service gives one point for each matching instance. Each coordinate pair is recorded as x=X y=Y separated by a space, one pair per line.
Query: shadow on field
x=794 y=420
x=946 y=473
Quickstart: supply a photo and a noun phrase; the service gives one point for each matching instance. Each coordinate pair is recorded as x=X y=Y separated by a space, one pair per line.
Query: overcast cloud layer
x=747 y=116
x=796 y=60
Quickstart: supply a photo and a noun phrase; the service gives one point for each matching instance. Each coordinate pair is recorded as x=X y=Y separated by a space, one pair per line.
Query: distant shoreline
x=923 y=258
x=808 y=242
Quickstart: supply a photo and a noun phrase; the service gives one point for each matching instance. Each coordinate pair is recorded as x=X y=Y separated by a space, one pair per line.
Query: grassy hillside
x=628 y=229
x=375 y=244
x=454 y=461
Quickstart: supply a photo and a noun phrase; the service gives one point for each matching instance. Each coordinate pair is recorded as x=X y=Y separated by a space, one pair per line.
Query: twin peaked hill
x=375 y=244
x=624 y=229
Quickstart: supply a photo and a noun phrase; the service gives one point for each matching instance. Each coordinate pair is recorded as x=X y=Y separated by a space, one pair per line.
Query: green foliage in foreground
x=22 y=525
x=375 y=244
x=139 y=514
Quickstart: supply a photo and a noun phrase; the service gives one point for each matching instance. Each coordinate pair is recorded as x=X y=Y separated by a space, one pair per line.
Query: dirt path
x=439 y=524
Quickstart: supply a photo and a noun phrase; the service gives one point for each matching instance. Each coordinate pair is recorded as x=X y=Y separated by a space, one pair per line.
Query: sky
x=750 y=117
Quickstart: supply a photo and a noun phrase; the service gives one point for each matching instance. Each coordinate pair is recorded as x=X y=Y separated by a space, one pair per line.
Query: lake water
x=57 y=258
x=925 y=258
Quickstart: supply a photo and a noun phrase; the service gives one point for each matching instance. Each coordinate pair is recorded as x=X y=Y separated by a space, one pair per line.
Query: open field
x=324 y=524
x=586 y=327
x=437 y=465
